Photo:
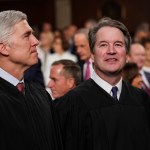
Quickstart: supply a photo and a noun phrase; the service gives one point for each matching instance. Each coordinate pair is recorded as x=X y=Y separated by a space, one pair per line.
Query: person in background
x=90 y=23
x=142 y=31
x=27 y=120
x=146 y=67
x=68 y=33
x=60 y=46
x=131 y=75
x=64 y=76
x=83 y=51
x=44 y=50
x=136 y=55
x=46 y=27
x=104 y=112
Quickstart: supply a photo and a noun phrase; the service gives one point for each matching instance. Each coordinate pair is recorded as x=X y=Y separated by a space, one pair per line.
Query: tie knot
x=88 y=62
x=20 y=87
x=114 y=92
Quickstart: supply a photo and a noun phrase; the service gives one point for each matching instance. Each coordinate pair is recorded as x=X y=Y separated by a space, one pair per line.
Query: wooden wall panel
x=37 y=10
x=135 y=11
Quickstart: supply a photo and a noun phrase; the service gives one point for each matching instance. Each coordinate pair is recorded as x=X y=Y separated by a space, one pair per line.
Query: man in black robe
x=27 y=119
x=104 y=112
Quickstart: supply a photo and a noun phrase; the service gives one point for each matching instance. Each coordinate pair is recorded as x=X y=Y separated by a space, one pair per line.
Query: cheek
x=123 y=56
x=98 y=53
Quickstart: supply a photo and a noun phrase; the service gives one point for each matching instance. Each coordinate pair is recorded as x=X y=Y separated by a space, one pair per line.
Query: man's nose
x=111 y=49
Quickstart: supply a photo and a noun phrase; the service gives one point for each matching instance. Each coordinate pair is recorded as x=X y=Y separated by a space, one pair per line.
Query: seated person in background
x=60 y=46
x=131 y=74
x=137 y=55
x=64 y=76
x=146 y=66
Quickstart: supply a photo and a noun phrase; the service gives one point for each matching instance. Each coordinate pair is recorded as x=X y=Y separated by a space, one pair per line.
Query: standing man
x=65 y=75
x=104 y=112
x=26 y=116
x=83 y=50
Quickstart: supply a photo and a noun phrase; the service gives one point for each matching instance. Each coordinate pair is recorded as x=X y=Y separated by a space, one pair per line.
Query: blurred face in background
x=137 y=81
x=147 y=52
x=82 y=46
x=46 y=39
x=137 y=55
x=57 y=45
x=59 y=83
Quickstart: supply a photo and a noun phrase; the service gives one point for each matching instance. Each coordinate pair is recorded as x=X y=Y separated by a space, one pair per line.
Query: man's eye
x=103 y=45
x=26 y=35
x=118 y=45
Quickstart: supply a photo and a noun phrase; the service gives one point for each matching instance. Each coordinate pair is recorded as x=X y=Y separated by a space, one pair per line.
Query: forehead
x=56 y=69
x=22 y=27
x=137 y=48
x=109 y=34
x=80 y=36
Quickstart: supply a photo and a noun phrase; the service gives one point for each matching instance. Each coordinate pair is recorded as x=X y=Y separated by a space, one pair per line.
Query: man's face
x=109 y=54
x=137 y=55
x=82 y=46
x=147 y=51
x=59 y=84
x=22 y=47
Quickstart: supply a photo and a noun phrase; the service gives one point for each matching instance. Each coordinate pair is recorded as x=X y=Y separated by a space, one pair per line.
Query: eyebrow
x=28 y=32
x=108 y=42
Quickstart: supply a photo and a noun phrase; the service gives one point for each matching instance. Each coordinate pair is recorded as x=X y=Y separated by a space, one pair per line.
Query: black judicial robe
x=91 y=120
x=27 y=121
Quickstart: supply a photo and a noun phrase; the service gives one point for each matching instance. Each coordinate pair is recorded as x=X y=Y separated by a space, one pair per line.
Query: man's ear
x=71 y=83
x=4 y=49
x=92 y=57
x=127 y=58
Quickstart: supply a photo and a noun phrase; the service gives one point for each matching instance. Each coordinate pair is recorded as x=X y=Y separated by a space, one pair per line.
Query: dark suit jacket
x=34 y=74
x=81 y=64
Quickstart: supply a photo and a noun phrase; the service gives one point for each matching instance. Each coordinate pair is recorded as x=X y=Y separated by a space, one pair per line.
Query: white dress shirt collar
x=105 y=85
x=8 y=77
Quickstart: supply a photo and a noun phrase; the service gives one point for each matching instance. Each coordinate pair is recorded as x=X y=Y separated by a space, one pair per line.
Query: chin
x=32 y=63
x=35 y=60
x=113 y=73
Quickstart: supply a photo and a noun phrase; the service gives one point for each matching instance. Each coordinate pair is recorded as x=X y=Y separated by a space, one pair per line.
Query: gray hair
x=108 y=22
x=9 y=19
x=83 y=31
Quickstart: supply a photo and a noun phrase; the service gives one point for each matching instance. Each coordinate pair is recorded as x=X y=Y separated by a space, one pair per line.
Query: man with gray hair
x=27 y=121
x=83 y=50
x=105 y=112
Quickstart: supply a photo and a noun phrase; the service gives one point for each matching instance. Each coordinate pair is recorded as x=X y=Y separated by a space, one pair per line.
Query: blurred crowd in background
x=71 y=43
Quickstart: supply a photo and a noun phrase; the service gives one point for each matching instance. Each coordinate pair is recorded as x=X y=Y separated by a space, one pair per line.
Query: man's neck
x=112 y=80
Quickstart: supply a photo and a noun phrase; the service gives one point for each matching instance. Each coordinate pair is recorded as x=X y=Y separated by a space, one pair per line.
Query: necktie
x=114 y=92
x=20 y=87
x=147 y=74
x=87 y=71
